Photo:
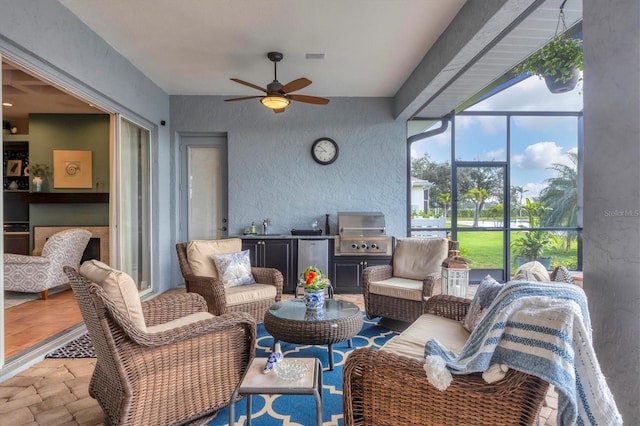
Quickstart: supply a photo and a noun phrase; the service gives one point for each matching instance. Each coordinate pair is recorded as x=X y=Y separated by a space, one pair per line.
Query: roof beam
x=475 y=29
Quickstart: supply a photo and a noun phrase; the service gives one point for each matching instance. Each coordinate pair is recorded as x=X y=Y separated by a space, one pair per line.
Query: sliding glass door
x=134 y=208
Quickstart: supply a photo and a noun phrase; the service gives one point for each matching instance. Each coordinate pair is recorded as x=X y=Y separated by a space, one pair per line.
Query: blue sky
x=537 y=142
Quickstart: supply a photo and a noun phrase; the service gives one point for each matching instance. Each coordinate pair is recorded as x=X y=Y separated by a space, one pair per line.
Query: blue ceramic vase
x=314 y=299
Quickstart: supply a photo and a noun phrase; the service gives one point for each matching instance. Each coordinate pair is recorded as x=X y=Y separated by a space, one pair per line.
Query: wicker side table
x=254 y=383
x=289 y=321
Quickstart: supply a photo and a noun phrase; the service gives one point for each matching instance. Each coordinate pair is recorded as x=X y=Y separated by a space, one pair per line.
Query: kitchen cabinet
x=274 y=253
x=347 y=271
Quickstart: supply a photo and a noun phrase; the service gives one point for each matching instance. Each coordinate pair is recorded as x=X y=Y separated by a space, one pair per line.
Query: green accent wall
x=81 y=132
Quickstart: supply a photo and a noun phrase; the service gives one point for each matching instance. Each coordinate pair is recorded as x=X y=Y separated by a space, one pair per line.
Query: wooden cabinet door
x=255 y=252
x=278 y=254
x=16 y=243
x=347 y=272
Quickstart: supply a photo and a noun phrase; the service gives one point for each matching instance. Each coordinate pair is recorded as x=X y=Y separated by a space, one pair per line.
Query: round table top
x=296 y=310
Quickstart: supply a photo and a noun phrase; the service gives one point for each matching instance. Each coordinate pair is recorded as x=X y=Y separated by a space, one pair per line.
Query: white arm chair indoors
x=37 y=274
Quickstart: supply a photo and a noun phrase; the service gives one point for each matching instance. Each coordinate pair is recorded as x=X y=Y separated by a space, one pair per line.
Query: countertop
x=283 y=237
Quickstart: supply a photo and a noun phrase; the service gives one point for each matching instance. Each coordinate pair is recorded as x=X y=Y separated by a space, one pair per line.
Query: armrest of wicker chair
x=394 y=389
x=211 y=289
x=270 y=276
x=451 y=307
x=371 y=274
x=430 y=284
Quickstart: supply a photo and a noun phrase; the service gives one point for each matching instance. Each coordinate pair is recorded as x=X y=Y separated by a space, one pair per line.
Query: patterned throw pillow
x=487 y=291
x=234 y=268
x=562 y=274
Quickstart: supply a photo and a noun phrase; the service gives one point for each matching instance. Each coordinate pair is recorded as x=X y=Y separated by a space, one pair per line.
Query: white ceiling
x=193 y=47
x=372 y=48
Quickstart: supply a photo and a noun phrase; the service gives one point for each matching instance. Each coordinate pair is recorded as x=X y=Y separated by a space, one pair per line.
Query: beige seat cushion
x=249 y=293
x=179 y=322
x=532 y=271
x=400 y=288
x=415 y=258
x=199 y=254
x=120 y=288
x=449 y=333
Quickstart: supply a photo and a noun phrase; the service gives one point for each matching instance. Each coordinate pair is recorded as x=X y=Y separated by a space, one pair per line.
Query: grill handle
x=382 y=230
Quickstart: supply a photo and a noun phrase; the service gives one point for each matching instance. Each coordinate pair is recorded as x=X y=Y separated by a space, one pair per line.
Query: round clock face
x=324 y=151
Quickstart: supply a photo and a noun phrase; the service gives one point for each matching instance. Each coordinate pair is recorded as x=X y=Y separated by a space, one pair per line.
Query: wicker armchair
x=33 y=274
x=181 y=370
x=254 y=299
x=396 y=291
x=383 y=388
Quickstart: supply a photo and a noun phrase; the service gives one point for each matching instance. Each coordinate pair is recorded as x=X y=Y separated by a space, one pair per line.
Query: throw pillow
x=487 y=291
x=532 y=271
x=234 y=268
x=199 y=254
x=562 y=274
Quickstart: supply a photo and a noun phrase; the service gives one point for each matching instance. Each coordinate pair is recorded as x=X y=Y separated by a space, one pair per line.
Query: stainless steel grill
x=362 y=233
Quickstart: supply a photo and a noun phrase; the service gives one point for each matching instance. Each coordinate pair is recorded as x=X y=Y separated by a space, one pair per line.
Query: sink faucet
x=265 y=225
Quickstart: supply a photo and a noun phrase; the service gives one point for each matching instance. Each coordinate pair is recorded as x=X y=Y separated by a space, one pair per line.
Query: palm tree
x=517 y=192
x=561 y=196
x=444 y=199
x=478 y=196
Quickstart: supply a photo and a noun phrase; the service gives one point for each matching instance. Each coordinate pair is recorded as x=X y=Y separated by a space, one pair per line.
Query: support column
x=612 y=193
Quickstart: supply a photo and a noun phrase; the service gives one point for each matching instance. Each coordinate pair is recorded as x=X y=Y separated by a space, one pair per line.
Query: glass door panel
x=134 y=218
x=480 y=196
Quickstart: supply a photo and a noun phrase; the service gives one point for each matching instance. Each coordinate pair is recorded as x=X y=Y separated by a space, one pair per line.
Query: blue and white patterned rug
x=299 y=410
x=281 y=410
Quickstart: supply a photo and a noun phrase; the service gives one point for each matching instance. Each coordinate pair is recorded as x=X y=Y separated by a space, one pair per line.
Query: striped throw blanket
x=542 y=329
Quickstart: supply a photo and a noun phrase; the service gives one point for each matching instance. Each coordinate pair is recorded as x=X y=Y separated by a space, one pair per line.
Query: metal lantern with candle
x=455 y=272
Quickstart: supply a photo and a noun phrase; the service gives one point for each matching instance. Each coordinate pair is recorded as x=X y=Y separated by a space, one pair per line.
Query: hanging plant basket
x=557 y=85
x=559 y=62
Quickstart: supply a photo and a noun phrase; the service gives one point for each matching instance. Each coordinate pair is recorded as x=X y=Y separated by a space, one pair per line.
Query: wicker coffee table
x=290 y=321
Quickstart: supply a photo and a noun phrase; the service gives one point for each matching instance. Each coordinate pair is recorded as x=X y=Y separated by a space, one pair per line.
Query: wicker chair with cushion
x=37 y=274
x=396 y=291
x=164 y=361
x=201 y=275
x=389 y=386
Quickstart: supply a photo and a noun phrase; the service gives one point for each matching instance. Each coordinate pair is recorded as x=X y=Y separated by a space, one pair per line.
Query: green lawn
x=484 y=249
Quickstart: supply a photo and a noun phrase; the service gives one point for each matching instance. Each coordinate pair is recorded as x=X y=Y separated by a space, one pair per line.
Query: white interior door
x=204 y=187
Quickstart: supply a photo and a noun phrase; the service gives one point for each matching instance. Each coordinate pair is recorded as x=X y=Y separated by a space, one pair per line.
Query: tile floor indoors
x=55 y=392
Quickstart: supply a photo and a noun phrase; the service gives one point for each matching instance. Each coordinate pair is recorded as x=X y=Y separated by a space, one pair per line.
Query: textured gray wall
x=45 y=36
x=272 y=174
x=612 y=193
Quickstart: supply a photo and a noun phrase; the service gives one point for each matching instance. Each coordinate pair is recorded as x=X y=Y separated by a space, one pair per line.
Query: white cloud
x=533 y=189
x=497 y=154
x=531 y=94
x=540 y=155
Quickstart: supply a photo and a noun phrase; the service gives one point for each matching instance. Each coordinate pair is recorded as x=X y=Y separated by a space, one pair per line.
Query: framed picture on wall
x=14 y=168
x=72 y=169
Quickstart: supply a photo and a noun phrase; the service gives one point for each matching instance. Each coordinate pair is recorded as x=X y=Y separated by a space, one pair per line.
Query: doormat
x=82 y=347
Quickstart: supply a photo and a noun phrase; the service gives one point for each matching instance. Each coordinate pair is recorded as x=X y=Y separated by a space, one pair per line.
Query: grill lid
x=361 y=224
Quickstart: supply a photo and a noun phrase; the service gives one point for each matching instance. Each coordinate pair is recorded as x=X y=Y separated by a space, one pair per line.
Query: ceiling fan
x=277 y=96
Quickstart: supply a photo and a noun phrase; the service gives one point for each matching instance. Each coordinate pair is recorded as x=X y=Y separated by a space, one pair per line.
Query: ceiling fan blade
x=294 y=85
x=309 y=99
x=246 y=83
x=279 y=110
x=243 y=98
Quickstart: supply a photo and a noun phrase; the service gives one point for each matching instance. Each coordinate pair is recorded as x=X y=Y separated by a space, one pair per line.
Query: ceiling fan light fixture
x=275 y=102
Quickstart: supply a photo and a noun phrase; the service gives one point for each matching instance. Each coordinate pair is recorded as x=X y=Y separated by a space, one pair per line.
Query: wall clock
x=324 y=151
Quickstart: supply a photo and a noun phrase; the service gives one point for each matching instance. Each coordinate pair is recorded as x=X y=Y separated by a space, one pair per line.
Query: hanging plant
x=558 y=62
